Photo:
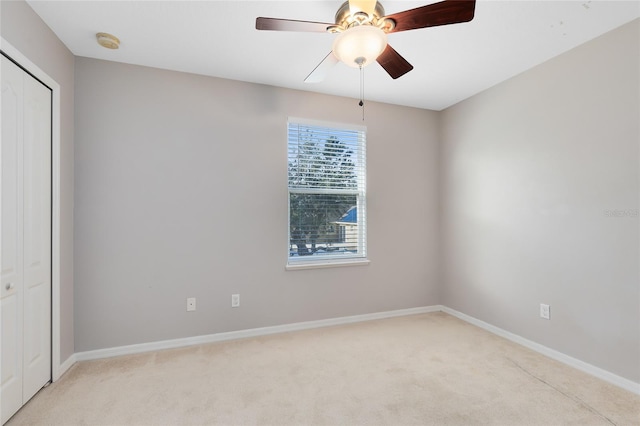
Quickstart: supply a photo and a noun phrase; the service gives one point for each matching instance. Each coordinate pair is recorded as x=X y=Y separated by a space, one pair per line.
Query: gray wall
x=181 y=191
x=529 y=170
x=24 y=29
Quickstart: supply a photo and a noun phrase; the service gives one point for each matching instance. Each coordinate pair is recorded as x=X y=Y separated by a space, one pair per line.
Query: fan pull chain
x=361 y=103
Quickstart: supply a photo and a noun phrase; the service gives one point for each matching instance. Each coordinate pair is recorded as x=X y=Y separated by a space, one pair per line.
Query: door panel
x=11 y=277
x=11 y=372
x=12 y=171
x=37 y=171
x=37 y=346
x=37 y=237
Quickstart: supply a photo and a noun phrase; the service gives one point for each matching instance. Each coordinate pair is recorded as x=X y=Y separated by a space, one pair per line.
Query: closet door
x=25 y=270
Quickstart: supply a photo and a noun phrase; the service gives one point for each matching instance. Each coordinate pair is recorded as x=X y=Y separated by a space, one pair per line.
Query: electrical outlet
x=235 y=300
x=545 y=311
x=191 y=304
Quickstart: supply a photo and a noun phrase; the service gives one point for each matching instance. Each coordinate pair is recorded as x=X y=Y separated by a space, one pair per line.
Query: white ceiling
x=218 y=38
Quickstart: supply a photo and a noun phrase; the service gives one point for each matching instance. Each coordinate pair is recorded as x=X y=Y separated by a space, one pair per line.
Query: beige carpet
x=429 y=369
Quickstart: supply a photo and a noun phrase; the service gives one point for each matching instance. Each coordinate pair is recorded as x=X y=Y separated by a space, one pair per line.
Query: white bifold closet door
x=25 y=292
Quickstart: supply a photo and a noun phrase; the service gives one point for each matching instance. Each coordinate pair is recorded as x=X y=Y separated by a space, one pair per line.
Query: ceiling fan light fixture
x=360 y=45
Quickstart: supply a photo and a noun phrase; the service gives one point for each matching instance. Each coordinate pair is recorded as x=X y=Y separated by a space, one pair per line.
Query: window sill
x=332 y=264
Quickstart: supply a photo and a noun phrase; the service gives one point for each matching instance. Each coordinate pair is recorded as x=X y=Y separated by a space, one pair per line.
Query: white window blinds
x=327 y=191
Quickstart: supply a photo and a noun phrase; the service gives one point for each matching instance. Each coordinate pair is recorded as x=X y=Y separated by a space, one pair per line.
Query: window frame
x=328 y=261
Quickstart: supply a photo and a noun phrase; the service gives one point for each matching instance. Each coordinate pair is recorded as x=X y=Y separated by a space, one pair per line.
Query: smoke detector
x=107 y=40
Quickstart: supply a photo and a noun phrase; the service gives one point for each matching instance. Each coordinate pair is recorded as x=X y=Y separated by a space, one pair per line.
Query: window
x=327 y=197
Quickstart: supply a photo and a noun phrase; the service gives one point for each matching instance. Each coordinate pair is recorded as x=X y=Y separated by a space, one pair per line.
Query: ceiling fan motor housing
x=345 y=20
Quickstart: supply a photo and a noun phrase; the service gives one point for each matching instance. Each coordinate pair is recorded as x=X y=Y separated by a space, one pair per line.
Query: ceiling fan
x=362 y=29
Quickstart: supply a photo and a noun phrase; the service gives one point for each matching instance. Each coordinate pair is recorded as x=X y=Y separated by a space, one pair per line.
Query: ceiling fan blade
x=275 y=24
x=318 y=74
x=366 y=6
x=393 y=63
x=442 y=13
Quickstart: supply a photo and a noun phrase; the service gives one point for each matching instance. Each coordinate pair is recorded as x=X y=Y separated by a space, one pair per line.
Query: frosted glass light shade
x=360 y=45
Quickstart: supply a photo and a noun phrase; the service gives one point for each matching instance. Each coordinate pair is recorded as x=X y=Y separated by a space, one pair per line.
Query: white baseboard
x=65 y=366
x=605 y=375
x=62 y=368
x=241 y=334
